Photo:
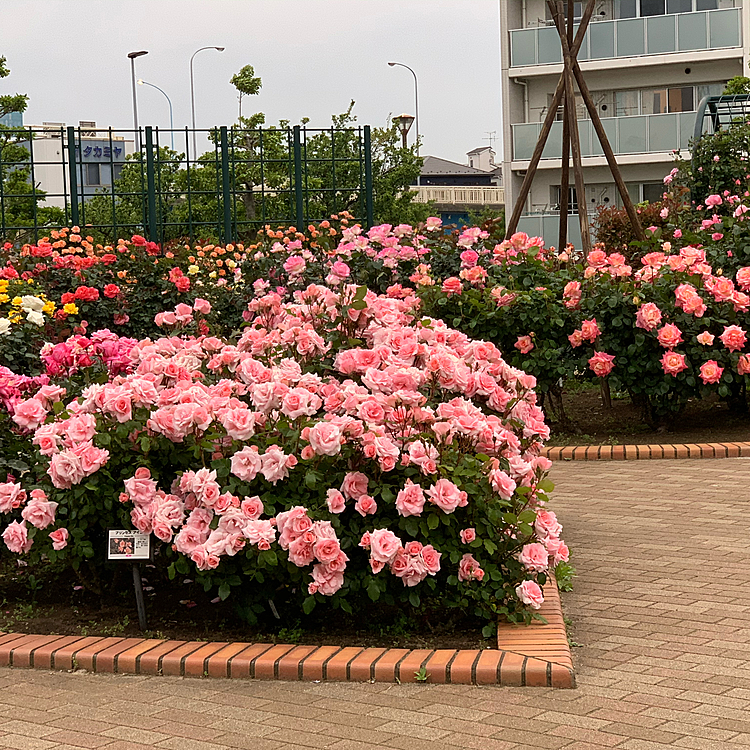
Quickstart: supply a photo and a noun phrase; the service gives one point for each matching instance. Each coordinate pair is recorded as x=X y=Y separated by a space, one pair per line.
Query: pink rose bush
x=344 y=445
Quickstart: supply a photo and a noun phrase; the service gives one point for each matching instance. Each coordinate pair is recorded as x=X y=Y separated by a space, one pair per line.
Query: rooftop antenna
x=491 y=137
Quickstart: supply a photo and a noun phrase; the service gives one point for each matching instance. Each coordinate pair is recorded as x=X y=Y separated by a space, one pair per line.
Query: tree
x=246 y=83
x=737 y=85
x=20 y=202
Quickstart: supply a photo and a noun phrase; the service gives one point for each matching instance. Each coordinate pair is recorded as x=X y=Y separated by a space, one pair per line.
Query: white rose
x=36 y=318
x=30 y=303
x=4 y=326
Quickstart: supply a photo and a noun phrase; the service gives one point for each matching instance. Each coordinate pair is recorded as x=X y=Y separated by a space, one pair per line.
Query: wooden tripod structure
x=565 y=95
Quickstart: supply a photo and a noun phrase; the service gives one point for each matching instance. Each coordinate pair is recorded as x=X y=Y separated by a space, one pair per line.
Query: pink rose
x=39 y=512
x=524 y=344
x=468 y=535
x=648 y=316
x=275 y=464
x=743 y=364
x=431 y=559
x=327 y=550
x=669 y=336
x=546 y=524
x=12 y=496
x=65 y=470
x=384 y=545
x=710 y=372
x=469 y=569
x=59 y=539
x=602 y=364
x=534 y=557
x=447 y=496
x=529 y=592
x=410 y=500
x=239 y=423
x=705 y=338
x=452 y=286
x=673 y=363
x=336 y=501
x=590 y=330
x=325 y=439
x=365 y=505
x=202 y=306
x=252 y=507
x=246 y=463
x=355 y=485
x=502 y=484
x=29 y=414
x=16 y=537
x=733 y=338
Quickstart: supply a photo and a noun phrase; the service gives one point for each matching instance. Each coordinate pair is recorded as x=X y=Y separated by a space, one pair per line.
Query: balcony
x=460 y=195
x=633 y=37
x=638 y=134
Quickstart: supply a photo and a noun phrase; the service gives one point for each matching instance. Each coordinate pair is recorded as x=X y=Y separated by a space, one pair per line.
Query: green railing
x=113 y=183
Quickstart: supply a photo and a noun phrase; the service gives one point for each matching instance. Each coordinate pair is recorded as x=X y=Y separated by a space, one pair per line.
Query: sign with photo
x=124 y=544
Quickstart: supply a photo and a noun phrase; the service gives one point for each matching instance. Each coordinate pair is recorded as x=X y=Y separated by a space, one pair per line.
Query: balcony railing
x=633 y=37
x=637 y=134
x=474 y=195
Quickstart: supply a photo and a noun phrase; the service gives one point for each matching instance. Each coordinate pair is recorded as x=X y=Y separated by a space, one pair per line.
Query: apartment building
x=648 y=64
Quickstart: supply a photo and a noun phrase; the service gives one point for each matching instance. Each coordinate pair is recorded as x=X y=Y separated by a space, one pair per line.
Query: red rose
x=67 y=298
x=111 y=291
x=182 y=284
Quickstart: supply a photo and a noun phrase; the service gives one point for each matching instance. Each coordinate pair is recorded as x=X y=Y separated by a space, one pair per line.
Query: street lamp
x=403 y=123
x=416 y=97
x=192 y=92
x=132 y=56
x=141 y=82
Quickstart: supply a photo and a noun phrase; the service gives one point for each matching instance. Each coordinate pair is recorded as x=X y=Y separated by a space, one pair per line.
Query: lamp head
x=133 y=55
x=220 y=49
x=392 y=64
x=403 y=123
x=140 y=81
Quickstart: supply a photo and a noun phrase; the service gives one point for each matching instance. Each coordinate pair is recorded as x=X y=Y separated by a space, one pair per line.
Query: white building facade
x=647 y=63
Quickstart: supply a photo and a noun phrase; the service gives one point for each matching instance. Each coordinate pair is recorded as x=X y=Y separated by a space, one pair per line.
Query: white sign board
x=124 y=544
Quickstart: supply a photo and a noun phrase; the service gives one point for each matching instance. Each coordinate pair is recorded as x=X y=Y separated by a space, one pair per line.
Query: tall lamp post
x=132 y=56
x=403 y=123
x=416 y=98
x=192 y=92
x=141 y=82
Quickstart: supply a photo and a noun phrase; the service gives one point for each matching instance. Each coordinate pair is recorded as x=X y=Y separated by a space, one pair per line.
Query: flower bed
x=343 y=447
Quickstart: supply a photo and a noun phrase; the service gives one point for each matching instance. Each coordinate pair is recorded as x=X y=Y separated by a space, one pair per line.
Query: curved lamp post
x=141 y=82
x=132 y=56
x=192 y=92
x=416 y=98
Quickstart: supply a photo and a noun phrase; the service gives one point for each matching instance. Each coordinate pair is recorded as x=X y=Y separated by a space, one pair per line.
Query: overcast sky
x=314 y=56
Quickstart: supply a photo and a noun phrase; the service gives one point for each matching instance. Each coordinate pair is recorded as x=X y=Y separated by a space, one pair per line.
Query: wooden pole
x=546 y=127
x=570 y=112
x=565 y=173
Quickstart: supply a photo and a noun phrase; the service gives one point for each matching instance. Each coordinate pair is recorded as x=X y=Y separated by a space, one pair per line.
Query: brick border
x=637 y=452
x=533 y=656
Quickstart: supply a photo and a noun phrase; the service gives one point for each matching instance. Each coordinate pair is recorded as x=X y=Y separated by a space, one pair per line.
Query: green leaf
x=224 y=591
x=414 y=599
x=171 y=572
x=433 y=521
x=373 y=591
x=308 y=605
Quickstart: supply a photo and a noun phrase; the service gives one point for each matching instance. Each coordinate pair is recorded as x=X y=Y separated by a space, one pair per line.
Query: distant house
x=458 y=189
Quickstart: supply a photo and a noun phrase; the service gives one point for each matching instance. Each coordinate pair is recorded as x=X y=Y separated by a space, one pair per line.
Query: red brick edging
x=535 y=656
x=632 y=452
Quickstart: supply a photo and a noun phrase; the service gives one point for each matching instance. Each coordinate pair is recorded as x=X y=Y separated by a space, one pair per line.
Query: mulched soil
x=41 y=602
x=703 y=421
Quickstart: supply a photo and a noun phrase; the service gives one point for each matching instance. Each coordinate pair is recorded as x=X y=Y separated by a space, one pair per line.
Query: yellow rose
x=71 y=308
x=192 y=270
x=49 y=308
x=4 y=298
x=17 y=301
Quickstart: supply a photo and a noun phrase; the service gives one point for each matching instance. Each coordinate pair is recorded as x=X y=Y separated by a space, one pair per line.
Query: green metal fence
x=113 y=183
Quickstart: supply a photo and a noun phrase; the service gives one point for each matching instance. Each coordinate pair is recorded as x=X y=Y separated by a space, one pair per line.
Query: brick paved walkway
x=659 y=607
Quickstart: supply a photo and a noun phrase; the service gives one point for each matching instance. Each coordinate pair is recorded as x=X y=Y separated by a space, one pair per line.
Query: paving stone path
x=660 y=609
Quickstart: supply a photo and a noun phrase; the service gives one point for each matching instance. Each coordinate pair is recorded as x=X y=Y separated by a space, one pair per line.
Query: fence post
x=225 y=186
x=73 y=176
x=368 y=177
x=151 y=185
x=300 y=218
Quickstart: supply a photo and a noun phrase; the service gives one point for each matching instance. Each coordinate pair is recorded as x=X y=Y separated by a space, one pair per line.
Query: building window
x=572 y=198
x=644 y=8
x=652 y=7
x=117 y=171
x=659 y=101
x=653 y=191
x=93 y=175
